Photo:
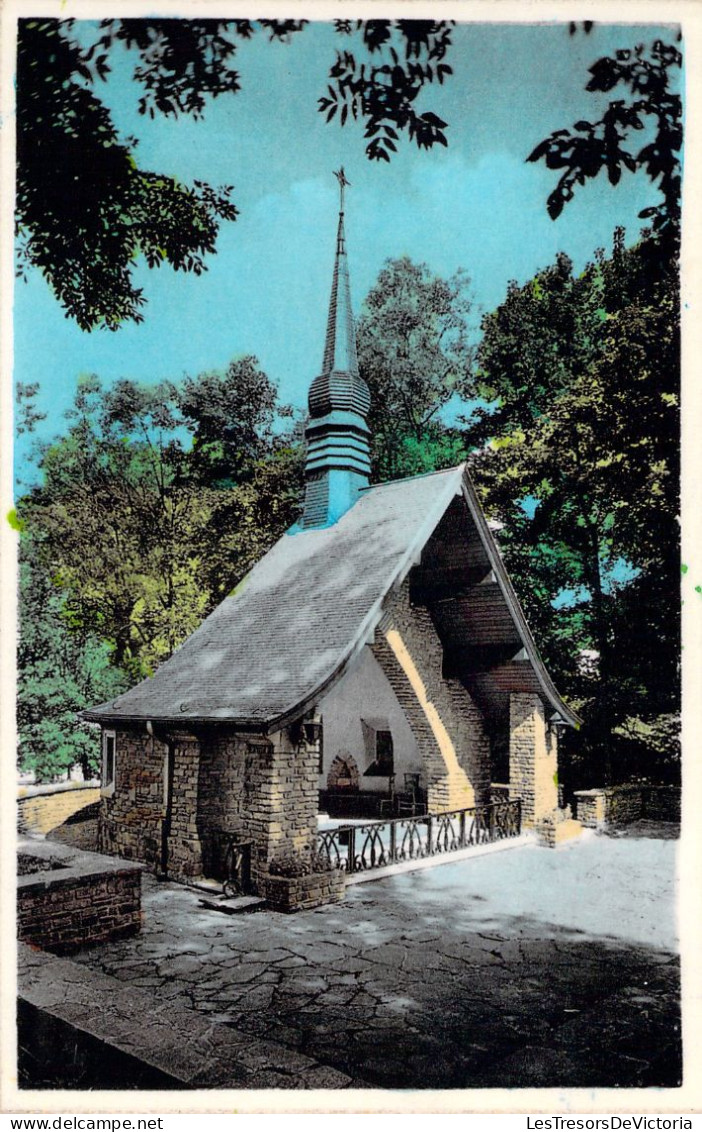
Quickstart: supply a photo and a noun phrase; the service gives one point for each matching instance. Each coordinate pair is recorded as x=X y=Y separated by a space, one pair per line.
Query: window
x=384 y=752
x=377 y=739
x=109 y=743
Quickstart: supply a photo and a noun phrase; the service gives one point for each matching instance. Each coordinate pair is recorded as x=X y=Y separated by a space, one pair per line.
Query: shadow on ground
x=527 y=968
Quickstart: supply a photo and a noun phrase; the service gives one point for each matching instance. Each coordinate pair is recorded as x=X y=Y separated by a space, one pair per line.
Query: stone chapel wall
x=447 y=723
x=131 y=816
x=264 y=789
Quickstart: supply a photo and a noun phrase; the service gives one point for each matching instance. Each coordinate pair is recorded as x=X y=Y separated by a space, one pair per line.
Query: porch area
x=527 y=968
x=361 y=848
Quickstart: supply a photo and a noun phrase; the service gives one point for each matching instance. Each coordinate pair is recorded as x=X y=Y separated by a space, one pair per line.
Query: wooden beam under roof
x=434 y=583
x=459 y=662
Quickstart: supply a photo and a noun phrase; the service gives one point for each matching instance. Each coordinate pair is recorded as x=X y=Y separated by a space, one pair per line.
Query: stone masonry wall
x=221 y=783
x=131 y=819
x=446 y=722
x=263 y=789
x=661 y=803
x=281 y=798
x=622 y=804
x=293 y=894
x=85 y=901
x=183 y=841
x=533 y=758
x=221 y=793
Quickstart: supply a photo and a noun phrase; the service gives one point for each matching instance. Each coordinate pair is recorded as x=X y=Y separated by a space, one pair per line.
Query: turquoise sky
x=477 y=205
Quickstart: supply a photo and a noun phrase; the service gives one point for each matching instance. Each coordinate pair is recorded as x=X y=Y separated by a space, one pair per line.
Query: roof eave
x=114 y=719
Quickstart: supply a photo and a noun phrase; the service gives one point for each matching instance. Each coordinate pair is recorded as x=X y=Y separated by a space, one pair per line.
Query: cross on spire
x=341 y=178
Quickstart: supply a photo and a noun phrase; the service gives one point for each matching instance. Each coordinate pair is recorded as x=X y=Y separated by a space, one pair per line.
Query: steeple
x=338 y=458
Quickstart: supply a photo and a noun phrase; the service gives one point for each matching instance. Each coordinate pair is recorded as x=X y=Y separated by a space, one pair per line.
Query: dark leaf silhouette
x=650 y=74
x=86 y=209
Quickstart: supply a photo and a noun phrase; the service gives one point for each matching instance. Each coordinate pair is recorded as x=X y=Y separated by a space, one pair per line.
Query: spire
x=340 y=343
x=338 y=459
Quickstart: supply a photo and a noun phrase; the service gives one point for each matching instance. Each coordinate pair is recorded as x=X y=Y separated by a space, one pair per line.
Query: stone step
x=205 y=884
x=232 y=904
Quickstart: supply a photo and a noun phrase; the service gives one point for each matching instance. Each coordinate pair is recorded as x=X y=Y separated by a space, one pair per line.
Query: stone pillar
x=281 y=798
x=533 y=759
x=184 y=850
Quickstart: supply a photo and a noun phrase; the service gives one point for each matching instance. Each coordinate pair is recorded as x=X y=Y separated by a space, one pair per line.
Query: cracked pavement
x=529 y=967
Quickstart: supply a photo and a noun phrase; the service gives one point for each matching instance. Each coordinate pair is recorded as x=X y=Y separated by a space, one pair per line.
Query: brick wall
x=445 y=720
x=533 y=758
x=41 y=811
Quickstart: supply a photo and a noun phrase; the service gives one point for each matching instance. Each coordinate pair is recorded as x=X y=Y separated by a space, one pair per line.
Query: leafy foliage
x=61 y=670
x=653 y=107
x=232 y=421
x=86 y=211
x=583 y=469
x=410 y=55
x=415 y=353
x=141 y=534
x=27 y=416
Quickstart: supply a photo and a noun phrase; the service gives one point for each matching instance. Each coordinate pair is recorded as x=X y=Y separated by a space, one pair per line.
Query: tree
x=583 y=468
x=61 y=669
x=653 y=107
x=86 y=211
x=132 y=526
x=232 y=417
x=415 y=353
x=634 y=705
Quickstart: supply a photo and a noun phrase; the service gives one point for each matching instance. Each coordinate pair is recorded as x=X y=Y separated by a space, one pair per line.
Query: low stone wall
x=293 y=894
x=662 y=803
x=41 y=808
x=77 y=899
x=619 y=805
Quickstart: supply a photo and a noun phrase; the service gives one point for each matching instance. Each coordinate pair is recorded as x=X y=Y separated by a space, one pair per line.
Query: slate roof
x=270 y=651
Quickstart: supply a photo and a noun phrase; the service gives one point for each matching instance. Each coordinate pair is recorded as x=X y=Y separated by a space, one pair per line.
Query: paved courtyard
x=528 y=967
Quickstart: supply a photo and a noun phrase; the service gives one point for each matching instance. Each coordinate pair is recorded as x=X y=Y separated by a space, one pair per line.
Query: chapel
x=376 y=661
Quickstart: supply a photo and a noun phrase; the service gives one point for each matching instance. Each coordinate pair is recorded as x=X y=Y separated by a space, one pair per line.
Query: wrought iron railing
x=373 y=845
